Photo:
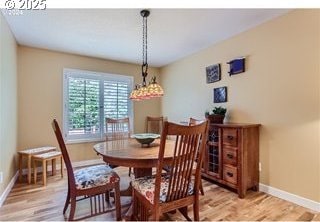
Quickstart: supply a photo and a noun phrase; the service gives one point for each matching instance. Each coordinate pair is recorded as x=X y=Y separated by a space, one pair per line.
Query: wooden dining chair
x=176 y=189
x=92 y=182
x=117 y=129
x=154 y=124
x=193 y=122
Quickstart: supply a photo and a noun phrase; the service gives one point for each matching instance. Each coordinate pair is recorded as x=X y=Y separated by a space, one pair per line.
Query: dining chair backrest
x=154 y=124
x=117 y=129
x=193 y=122
x=188 y=143
x=64 y=152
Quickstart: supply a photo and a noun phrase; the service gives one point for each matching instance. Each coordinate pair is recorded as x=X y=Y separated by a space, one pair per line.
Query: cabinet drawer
x=230 y=174
x=230 y=137
x=230 y=156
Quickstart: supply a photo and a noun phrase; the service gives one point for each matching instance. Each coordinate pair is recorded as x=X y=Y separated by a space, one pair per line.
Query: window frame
x=78 y=73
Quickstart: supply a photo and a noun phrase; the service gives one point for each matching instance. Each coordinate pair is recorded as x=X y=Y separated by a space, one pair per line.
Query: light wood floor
x=35 y=202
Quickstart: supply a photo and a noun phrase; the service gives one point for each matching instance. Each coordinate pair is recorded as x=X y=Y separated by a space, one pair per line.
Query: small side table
x=43 y=158
x=29 y=153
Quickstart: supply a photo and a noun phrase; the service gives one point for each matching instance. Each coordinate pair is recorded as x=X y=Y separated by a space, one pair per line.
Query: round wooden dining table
x=130 y=153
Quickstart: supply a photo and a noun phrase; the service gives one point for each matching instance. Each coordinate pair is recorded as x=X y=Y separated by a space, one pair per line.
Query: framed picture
x=213 y=73
x=236 y=66
x=220 y=95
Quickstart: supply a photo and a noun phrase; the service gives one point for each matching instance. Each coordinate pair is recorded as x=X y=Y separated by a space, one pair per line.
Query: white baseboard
x=304 y=202
x=8 y=189
x=39 y=169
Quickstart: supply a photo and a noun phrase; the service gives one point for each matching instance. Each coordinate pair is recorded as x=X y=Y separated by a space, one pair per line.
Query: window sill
x=84 y=141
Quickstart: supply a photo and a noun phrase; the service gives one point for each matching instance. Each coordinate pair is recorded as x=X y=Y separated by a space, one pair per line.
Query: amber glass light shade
x=143 y=93
x=134 y=94
x=154 y=89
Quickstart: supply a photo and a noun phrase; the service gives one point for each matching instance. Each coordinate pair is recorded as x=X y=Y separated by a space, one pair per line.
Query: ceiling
x=116 y=34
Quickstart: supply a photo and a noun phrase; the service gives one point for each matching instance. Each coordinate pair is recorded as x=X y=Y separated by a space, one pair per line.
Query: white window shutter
x=84 y=91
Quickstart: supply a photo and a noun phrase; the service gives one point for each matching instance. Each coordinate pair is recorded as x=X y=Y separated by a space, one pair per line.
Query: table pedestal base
x=142 y=172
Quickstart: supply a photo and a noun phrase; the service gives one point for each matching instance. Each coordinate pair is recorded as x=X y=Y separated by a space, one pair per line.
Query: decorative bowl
x=145 y=138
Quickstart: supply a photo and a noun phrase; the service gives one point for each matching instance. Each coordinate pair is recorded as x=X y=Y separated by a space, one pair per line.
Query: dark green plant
x=219 y=111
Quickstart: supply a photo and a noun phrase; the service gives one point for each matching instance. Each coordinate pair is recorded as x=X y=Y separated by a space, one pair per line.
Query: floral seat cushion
x=94 y=176
x=146 y=186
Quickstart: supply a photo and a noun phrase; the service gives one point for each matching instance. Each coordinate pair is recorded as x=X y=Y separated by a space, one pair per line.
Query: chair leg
x=137 y=209
x=66 y=204
x=117 y=200
x=129 y=174
x=73 y=208
x=134 y=206
x=201 y=188
x=156 y=215
x=61 y=167
x=196 y=209
x=107 y=196
x=184 y=212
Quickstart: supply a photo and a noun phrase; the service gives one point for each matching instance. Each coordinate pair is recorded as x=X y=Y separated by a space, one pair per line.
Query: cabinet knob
x=230 y=137
x=230 y=156
x=230 y=174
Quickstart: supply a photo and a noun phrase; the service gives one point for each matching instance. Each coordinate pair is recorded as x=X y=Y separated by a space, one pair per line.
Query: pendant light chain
x=146 y=40
x=142 y=91
x=144 y=50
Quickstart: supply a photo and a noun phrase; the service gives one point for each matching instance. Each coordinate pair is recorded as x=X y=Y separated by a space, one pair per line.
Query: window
x=90 y=97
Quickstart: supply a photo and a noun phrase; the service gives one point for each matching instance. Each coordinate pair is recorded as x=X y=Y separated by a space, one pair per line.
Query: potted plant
x=217 y=115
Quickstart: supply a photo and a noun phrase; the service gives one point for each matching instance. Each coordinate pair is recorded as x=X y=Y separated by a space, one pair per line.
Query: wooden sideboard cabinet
x=232 y=156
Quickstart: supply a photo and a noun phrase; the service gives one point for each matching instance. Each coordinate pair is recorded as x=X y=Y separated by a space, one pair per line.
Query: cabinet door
x=213 y=164
x=213 y=154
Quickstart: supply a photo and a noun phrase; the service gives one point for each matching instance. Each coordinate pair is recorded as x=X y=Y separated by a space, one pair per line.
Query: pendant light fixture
x=142 y=91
